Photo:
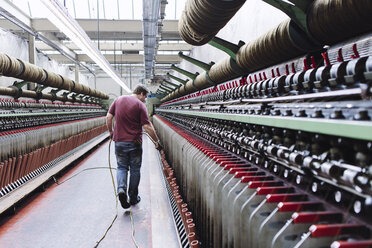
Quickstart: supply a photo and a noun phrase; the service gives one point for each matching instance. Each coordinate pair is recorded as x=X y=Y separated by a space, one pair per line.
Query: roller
x=13 y=67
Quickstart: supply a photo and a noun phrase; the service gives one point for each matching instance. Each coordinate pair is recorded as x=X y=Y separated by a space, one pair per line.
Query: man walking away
x=130 y=116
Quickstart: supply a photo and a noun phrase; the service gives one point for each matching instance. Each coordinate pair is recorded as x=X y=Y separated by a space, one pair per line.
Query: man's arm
x=109 y=118
x=151 y=131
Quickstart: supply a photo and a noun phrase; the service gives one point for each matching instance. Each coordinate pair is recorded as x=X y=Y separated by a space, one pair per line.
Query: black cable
x=116 y=199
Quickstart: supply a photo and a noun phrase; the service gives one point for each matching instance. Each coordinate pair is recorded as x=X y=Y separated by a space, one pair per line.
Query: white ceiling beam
x=51 y=37
x=127 y=58
x=16 y=19
x=89 y=25
x=174 y=47
x=167 y=59
x=109 y=46
x=124 y=29
x=13 y=10
x=170 y=26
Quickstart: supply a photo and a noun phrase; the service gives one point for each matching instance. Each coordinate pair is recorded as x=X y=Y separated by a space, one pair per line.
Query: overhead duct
x=153 y=16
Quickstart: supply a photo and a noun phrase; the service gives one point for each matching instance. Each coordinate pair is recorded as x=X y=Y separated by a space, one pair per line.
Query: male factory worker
x=130 y=116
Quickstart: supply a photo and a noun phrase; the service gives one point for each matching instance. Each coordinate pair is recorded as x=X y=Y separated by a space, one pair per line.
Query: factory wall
x=107 y=85
x=254 y=19
x=110 y=87
x=17 y=47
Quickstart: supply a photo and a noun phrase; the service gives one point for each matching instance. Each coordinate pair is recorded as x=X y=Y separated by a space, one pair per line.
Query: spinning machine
x=272 y=146
x=40 y=132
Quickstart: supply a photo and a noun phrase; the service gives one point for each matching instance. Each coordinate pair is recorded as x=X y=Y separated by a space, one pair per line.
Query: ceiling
x=119 y=40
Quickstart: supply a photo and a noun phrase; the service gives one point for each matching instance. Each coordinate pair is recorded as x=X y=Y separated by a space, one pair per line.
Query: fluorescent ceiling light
x=65 y=23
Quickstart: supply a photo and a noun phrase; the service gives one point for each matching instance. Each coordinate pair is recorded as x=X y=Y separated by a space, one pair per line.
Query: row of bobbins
x=186 y=215
x=325 y=78
x=339 y=76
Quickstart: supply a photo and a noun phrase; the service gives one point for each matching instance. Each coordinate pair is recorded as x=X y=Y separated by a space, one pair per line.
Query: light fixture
x=65 y=23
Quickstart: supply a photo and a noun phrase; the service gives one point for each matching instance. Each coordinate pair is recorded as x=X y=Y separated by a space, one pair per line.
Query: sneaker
x=123 y=198
x=135 y=201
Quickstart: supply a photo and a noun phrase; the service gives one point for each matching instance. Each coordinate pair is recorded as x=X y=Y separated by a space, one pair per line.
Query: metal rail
x=47 y=113
x=344 y=128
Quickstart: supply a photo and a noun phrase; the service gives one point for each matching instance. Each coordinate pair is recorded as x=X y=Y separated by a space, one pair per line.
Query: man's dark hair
x=140 y=89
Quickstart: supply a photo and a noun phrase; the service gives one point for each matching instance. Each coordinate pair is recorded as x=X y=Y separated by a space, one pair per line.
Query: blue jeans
x=129 y=158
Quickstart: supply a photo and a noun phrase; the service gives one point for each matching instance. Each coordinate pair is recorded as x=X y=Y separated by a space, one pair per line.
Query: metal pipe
x=184 y=72
x=196 y=62
x=177 y=79
x=230 y=48
x=170 y=88
x=173 y=84
x=165 y=89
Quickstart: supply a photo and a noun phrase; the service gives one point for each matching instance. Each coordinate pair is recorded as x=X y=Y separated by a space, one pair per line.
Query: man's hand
x=158 y=146
x=151 y=132
x=111 y=134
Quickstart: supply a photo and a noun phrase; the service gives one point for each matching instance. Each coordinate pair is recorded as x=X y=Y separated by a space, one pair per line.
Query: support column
x=31 y=57
x=130 y=77
x=76 y=73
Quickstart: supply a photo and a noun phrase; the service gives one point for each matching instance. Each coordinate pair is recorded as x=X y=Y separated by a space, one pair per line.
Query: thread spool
x=191 y=228
x=15 y=68
x=188 y=215
x=53 y=79
x=270 y=48
x=330 y=21
x=4 y=64
x=191 y=237
x=195 y=244
x=201 y=20
x=67 y=84
x=222 y=71
x=78 y=88
x=86 y=90
x=32 y=73
x=189 y=221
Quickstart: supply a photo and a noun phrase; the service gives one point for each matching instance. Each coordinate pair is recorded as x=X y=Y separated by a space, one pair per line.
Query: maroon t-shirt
x=130 y=115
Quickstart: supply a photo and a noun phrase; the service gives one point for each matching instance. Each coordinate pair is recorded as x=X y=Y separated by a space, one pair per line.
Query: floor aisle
x=76 y=213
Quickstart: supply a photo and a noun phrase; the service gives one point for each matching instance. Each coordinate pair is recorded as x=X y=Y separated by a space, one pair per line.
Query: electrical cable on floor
x=115 y=193
x=93 y=168
x=116 y=199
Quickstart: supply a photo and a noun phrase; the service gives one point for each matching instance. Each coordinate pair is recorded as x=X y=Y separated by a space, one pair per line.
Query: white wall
x=107 y=85
x=253 y=19
x=110 y=87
